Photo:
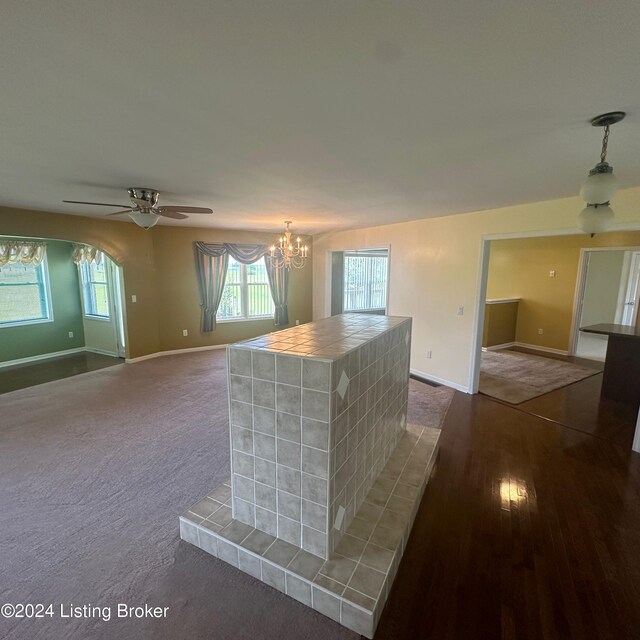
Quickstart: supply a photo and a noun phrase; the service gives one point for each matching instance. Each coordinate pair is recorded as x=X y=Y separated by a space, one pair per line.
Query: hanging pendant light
x=601 y=185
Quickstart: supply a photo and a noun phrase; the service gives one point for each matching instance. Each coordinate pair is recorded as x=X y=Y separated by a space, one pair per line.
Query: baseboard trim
x=101 y=352
x=442 y=381
x=498 y=347
x=173 y=352
x=42 y=356
x=535 y=347
x=524 y=345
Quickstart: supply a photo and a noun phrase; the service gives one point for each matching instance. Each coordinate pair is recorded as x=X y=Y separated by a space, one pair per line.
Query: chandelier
x=601 y=185
x=286 y=253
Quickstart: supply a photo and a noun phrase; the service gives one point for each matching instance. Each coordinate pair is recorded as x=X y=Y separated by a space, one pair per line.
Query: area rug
x=516 y=377
x=95 y=470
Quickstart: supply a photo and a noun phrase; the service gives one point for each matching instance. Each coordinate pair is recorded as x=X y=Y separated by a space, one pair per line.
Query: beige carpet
x=516 y=377
x=95 y=470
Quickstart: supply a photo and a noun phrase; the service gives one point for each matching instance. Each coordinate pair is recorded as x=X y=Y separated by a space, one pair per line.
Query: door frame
x=634 y=268
x=115 y=283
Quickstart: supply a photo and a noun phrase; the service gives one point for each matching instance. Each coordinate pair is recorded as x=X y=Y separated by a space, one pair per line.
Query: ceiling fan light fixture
x=144 y=219
x=143 y=210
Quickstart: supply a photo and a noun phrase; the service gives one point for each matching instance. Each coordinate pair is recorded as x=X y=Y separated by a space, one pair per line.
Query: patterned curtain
x=86 y=253
x=213 y=259
x=22 y=252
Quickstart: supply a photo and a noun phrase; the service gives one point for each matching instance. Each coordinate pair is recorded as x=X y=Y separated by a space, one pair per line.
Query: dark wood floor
x=579 y=405
x=31 y=374
x=528 y=530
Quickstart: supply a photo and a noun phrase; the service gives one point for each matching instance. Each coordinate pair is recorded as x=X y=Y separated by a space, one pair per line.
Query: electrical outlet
x=185 y=332
x=429 y=354
x=134 y=298
x=71 y=334
x=460 y=311
x=540 y=332
x=552 y=273
x=297 y=322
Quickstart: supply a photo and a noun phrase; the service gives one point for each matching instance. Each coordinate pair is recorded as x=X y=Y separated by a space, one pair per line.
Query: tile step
x=352 y=587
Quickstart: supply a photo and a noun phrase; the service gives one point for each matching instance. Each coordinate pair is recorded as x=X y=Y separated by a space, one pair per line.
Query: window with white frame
x=95 y=290
x=365 y=280
x=25 y=297
x=246 y=294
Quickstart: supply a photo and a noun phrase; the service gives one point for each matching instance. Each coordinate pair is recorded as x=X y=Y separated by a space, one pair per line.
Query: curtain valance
x=22 y=252
x=212 y=260
x=244 y=253
x=86 y=253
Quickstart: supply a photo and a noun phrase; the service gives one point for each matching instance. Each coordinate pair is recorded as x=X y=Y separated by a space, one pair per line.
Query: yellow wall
x=435 y=268
x=159 y=268
x=520 y=269
x=500 y=322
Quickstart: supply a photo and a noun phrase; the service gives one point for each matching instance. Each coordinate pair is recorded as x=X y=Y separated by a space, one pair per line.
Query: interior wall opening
x=58 y=298
x=360 y=281
x=538 y=295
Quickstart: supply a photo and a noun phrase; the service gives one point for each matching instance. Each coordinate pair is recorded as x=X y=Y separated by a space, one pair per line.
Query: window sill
x=24 y=323
x=86 y=316
x=233 y=320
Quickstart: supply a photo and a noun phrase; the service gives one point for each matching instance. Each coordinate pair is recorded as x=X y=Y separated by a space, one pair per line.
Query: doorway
x=102 y=306
x=584 y=410
x=607 y=293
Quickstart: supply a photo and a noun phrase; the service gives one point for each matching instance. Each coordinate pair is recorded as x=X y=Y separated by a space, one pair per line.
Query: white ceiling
x=333 y=113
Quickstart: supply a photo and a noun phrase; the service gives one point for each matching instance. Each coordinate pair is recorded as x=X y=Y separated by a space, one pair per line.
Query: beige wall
x=435 y=268
x=159 y=268
x=519 y=268
x=179 y=301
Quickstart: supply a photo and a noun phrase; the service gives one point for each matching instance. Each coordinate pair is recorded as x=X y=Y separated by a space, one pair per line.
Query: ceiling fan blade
x=187 y=209
x=99 y=204
x=117 y=213
x=172 y=214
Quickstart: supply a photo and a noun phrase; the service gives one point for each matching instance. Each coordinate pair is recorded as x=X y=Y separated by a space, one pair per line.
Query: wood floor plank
x=30 y=374
x=527 y=530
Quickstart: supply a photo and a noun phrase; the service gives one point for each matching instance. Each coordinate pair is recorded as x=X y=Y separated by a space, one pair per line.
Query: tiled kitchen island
x=326 y=476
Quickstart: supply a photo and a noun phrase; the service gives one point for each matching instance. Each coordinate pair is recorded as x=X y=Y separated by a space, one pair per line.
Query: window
x=24 y=294
x=246 y=293
x=95 y=294
x=365 y=280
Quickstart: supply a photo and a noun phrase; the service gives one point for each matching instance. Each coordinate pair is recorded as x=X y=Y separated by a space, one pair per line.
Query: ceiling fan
x=143 y=210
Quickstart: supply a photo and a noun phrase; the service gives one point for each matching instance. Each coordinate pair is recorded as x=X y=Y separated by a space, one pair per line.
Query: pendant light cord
x=605 y=143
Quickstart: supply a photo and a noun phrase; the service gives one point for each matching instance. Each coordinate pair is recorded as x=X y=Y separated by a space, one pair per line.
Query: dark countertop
x=621 y=330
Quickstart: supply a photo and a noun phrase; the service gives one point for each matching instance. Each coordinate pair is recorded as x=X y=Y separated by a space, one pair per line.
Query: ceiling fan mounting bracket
x=144 y=197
